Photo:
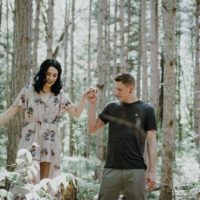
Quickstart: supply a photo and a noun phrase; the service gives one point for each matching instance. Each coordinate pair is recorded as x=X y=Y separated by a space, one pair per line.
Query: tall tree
x=0 y=15
x=8 y=68
x=20 y=68
x=115 y=37
x=190 y=102
x=101 y=64
x=66 y=40
x=65 y=70
x=50 y=16
x=178 y=71
x=108 y=48
x=169 y=17
x=143 y=50
x=139 y=52
x=71 y=137
x=121 y=37
x=36 y=35
x=88 y=137
x=197 y=73
x=89 y=42
x=128 y=41
x=154 y=93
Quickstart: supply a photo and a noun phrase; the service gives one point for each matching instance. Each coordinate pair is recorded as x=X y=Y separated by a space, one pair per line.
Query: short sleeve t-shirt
x=128 y=125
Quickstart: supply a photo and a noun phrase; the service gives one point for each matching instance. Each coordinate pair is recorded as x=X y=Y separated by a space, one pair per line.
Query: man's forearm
x=152 y=153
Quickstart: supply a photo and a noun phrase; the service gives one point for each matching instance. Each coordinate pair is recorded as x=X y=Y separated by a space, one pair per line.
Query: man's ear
x=131 y=88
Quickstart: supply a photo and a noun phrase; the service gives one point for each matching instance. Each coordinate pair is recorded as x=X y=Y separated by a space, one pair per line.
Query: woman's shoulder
x=63 y=93
x=28 y=89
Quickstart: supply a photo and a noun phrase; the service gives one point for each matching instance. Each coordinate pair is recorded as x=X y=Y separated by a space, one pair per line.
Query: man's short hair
x=126 y=78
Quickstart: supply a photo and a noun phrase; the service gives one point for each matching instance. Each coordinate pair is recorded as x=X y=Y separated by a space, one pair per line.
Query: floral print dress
x=40 y=134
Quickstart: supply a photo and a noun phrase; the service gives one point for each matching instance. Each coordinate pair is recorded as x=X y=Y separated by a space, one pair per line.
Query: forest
x=155 y=40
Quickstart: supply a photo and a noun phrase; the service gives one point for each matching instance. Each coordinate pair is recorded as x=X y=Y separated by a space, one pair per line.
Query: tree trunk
x=65 y=70
x=101 y=71
x=161 y=96
x=154 y=95
x=115 y=37
x=20 y=68
x=197 y=74
x=178 y=74
x=190 y=104
x=139 y=52
x=8 y=68
x=0 y=17
x=89 y=43
x=108 y=49
x=71 y=137
x=36 y=36
x=143 y=50
x=123 y=66
x=128 y=62
x=50 y=15
x=169 y=17
x=88 y=137
x=66 y=42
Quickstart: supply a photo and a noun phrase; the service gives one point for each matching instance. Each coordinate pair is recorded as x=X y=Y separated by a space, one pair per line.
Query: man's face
x=123 y=92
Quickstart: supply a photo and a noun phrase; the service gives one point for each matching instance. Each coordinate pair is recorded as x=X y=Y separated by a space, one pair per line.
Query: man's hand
x=150 y=181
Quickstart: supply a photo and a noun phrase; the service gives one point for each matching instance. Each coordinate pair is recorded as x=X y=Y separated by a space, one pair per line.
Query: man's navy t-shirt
x=128 y=125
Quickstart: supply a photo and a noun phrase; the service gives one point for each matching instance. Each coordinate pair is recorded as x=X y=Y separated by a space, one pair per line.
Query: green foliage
x=87 y=171
x=5 y=195
x=186 y=171
x=87 y=189
x=3 y=140
x=22 y=185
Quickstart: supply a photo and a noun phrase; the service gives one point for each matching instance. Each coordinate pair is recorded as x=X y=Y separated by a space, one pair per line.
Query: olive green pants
x=129 y=181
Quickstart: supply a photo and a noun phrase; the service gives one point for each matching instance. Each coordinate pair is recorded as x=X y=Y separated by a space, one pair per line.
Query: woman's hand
x=92 y=95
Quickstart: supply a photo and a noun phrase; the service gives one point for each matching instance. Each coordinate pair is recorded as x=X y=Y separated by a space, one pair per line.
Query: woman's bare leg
x=44 y=170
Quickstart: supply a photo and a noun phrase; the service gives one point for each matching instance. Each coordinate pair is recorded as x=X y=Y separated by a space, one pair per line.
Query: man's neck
x=132 y=99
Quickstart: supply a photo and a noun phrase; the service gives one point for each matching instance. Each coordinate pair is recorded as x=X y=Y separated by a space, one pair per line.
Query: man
x=131 y=122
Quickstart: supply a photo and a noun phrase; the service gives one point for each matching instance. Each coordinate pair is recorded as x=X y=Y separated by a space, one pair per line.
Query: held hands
x=150 y=181
x=91 y=95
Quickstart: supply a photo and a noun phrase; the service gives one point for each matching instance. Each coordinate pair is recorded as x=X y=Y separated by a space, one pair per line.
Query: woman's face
x=51 y=76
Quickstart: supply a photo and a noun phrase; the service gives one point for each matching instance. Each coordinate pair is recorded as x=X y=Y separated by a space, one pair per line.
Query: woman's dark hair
x=40 y=77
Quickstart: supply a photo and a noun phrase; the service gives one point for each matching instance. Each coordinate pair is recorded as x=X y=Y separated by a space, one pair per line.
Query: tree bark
x=71 y=138
x=20 y=68
x=0 y=16
x=168 y=143
x=36 y=36
x=143 y=50
x=101 y=61
x=50 y=16
x=197 y=74
x=65 y=70
x=154 y=94
x=178 y=74
x=115 y=36
x=123 y=66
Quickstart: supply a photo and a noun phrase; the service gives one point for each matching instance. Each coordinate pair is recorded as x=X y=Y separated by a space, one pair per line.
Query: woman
x=43 y=103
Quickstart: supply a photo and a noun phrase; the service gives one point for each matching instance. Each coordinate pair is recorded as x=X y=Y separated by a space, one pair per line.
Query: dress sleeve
x=22 y=99
x=65 y=103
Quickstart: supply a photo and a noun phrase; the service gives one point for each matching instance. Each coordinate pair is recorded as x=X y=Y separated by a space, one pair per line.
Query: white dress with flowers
x=40 y=133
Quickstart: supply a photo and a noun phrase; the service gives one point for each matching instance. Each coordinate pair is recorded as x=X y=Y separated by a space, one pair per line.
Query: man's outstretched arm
x=94 y=123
